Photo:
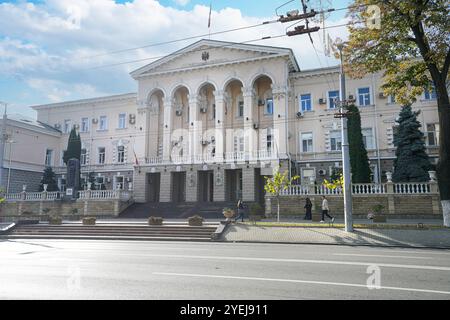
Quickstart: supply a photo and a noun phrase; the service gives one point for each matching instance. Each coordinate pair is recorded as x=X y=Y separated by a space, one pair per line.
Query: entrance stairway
x=115 y=232
x=207 y=210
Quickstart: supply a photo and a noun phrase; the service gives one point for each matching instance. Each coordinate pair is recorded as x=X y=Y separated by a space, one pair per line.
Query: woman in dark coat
x=308 y=207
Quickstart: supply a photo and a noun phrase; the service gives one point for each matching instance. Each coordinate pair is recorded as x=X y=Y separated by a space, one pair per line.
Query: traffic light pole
x=345 y=152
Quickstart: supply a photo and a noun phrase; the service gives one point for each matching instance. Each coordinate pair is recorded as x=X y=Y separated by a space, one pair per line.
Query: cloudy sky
x=58 y=50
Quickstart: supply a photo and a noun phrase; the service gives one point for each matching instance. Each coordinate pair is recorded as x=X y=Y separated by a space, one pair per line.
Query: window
x=305 y=102
x=239 y=143
x=49 y=158
x=307 y=142
x=84 y=125
x=269 y=106
x=432 y=134
x=103 y=123
x=240 y=108
x=269 y=140
x=119 y=183
x=62 y=184
x=368 y=140
x=100 y=183
x=83 y=159
x=101 y=155
x=391 y=99
x=364 y=96
x=67 y=126
x=335 y=140
x=333 y=96
x=430 y=94
x=122 y=120
x=120 y=154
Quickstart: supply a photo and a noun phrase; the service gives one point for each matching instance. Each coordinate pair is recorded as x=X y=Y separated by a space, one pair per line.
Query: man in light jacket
x=325 y=210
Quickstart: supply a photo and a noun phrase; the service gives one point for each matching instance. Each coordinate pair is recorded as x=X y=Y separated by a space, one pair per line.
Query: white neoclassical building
x=208 y=122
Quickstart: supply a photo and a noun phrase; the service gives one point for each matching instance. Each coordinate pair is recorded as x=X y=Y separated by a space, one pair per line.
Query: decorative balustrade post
x=268 y=209
x=390 y=193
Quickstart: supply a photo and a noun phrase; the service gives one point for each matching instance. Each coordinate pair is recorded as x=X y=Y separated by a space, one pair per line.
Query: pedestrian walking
x=308 y=207
x=240 y=209
x=325 y=210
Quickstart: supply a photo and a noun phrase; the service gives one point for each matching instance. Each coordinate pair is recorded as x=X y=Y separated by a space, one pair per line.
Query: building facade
x=208 y=122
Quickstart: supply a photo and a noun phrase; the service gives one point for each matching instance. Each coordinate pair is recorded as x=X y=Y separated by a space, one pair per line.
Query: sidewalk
x=434 y=238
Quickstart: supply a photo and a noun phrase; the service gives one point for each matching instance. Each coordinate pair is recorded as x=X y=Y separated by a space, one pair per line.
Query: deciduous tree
x=410 y=45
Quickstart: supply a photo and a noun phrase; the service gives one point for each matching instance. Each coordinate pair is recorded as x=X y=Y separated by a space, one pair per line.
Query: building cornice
x=113 y=98
x=206 y=66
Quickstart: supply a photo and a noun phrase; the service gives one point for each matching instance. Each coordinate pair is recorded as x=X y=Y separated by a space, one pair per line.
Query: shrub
x=155 y=221
x=55 y=220
x=89 y=221
x=195 y=221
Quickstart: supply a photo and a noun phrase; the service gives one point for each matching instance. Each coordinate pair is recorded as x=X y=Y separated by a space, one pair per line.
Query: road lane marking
x=299 y=281
x=332 y=262
x=354 y=263
x=378 y=256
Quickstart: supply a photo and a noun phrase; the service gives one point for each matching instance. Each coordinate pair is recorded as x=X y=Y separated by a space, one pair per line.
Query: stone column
x=192 y=186
x=140 y=190
x=195 y=129
x=165 y=192
x=248 y=184
x=280 y=96
x=390 y=195
x=219 y=185
x=251 y=139
x=220 y=125
x=167 y=129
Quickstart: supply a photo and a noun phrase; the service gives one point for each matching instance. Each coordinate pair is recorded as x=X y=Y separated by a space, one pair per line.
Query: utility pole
x=343 y=103
x=2 y=144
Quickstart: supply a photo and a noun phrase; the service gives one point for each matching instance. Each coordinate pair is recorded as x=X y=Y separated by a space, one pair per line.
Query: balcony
x=228 y=157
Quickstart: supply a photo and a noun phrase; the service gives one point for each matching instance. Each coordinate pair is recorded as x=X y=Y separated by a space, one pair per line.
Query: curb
x=342 y=244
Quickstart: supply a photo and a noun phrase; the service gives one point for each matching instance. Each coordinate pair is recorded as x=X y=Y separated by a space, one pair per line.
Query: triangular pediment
x=209 y=53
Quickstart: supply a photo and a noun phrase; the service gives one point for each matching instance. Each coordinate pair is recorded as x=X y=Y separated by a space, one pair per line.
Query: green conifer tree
x=49 y=178
x=73 y=147
x=359 y=160
x=412 y=162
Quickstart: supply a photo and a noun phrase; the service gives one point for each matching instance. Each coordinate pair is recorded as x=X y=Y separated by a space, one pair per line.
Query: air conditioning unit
x=300 y=114
x=57 y=126
x=94 y=120
x=179 y=112
x=322 y=172
x=381 y=95
x=203 y=110
x=132 y=119
x=322 y=101
x=76 y=126
x=351 y=97
x=255 y=126
x=213 y=139
x=204 y=142
x=261 y=102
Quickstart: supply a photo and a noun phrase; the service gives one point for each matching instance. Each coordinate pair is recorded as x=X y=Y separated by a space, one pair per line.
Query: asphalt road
x=65 y=269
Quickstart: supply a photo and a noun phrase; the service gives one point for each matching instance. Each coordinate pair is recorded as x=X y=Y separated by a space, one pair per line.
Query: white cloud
x=50 y=46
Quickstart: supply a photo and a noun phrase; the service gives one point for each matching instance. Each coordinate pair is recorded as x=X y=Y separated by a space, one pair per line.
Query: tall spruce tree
x=359 y=161
x=49 y=178
x=73 y=147
x=412 y=162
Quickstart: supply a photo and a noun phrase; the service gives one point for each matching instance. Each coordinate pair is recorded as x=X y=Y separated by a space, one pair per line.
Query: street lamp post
x=345 y=149
x=2 y=143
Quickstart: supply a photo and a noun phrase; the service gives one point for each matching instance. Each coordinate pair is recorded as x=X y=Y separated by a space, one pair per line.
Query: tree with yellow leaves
x=278 y=183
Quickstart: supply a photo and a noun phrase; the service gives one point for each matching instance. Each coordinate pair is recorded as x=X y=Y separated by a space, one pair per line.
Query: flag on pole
x=135 y=158
x=209 y=19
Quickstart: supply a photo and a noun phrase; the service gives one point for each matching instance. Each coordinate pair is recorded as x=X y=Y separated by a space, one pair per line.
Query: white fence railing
x=362 y=189
x=411 y=188
x=83 y=195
